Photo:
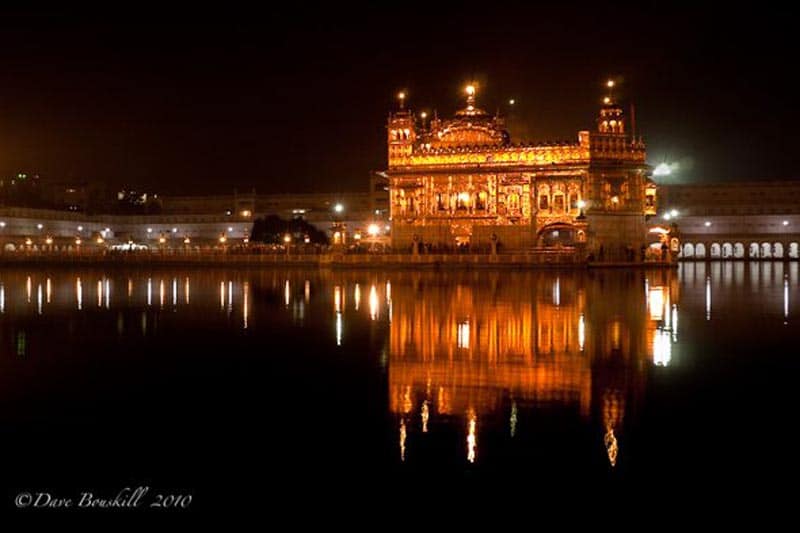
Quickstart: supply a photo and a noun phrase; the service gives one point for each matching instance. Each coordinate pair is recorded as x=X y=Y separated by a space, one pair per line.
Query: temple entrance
x=557 y=235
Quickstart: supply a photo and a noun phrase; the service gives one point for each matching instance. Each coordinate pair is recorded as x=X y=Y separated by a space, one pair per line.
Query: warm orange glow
x=287 y=238
x=470 y=90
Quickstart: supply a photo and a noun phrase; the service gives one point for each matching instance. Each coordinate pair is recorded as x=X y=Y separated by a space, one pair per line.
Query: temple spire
x=470 y=90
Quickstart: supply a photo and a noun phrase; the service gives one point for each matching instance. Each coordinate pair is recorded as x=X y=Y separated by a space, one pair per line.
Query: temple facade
x=464 y=182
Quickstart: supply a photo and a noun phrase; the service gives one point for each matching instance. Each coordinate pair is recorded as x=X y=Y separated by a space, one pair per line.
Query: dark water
x=251 y=389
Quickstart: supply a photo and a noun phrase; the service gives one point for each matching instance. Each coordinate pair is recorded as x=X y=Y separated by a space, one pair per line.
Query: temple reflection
x=492 y=350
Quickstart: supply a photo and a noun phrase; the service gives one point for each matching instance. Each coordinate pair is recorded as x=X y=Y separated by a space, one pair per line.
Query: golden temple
x=463 y=182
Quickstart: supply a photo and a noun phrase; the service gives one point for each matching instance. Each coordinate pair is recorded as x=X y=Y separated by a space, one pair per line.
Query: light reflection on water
x=474 y=358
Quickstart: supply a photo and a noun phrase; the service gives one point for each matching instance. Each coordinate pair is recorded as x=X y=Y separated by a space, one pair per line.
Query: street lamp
x=581 y=206
x=339 y=208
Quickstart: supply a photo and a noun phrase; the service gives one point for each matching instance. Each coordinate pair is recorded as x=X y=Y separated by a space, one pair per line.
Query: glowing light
x=707 y=223
x=612 y=448
x=785 y=299
x=472 y=439
x=708 y=298
x=658 y=229
x=423 y=115
x=174 y=230
x=373 y=303
x=662 y=169
x=470 y=89
x=339 y=329
x=287 y=293
x=247 y=213
x=656 y=301
x=337 y=299
x=149 y=230
x=610 y=84
x=48 y=240
x=39 y=226
x=174 y=292
x=2 y=298
x=606 y=100
x=666 y=216
x=186 y=240
x=230 y=229
x=222 y=295
x=149 y=292
x=463 y=196
x=557 y=292
x=223 y=239
x=100 y=240
x=78 y=241
x=307 y=291
x=401 y=95
x=402 y=440
x=373 y=230
x=162 y=240
x=2 y=224
x=28 y=241
x=512 y=102
x=186 y=290
x=357 y=236
x=425 y=416
x=245 y=304
x=581 y=204
x=357 y=296
x=306 y=239
x=581 y=332
x=161 y=293
x=615 y=199
x=287 y=238
x=785 y=222
x=462 y=334
x=48 y=289
x=673 y=212
x=28 y=289
x=513 y=419
x=79 y=293
x=662 y=348
x=338 y=208
x=39 y=298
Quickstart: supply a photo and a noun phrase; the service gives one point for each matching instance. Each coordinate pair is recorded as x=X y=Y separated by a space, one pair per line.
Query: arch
x=688 y=250
x=700 y=250
x=777 y=250
x=752 y=250
x=557 y=234
x=766 y=250
x=727 y=250
x=716 y=250
x=9 y=247
x=794 y=250
x=738 y=250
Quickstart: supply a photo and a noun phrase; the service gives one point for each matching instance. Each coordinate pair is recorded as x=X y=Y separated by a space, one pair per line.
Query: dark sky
x=296 y=99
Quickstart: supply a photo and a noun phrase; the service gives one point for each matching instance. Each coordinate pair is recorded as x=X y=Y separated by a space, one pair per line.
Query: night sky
x=296 y=100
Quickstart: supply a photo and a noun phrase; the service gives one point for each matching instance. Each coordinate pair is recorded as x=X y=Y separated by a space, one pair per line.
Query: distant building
x=463 y=181
x=736 y=220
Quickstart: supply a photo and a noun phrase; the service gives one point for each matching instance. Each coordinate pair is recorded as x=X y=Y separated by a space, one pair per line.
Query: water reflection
x=474 y=359
x=491 y=349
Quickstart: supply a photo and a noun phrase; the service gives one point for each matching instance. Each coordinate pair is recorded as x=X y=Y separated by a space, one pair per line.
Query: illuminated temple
x=464 y=181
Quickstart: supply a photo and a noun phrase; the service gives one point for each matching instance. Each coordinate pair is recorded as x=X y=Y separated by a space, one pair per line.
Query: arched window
x=544 y=203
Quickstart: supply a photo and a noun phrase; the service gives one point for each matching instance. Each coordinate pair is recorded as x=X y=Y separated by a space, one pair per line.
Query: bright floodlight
x=373 y=230
x=424 y=115
x=401 y=95
x=581 y=204
x=673 y=212
x=663 y=169
x=667 y=216
x=470 y=90
x=610 y=83
x=512 y=102
x=338 y=208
